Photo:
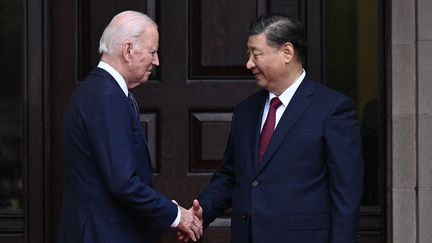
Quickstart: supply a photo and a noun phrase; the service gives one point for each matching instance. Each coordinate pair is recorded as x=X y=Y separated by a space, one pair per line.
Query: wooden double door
x=187 y=105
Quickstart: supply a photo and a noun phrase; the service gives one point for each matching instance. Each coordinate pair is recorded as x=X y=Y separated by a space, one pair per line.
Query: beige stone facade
x=410 y=124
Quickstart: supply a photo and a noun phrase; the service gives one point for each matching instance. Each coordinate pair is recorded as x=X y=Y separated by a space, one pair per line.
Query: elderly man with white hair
x=108 y=185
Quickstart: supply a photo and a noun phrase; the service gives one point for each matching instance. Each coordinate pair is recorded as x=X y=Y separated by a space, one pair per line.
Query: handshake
x=191 y=223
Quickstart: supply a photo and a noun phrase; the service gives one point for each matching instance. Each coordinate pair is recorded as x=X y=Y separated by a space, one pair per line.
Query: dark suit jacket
x=308 y=187
x=108 y=190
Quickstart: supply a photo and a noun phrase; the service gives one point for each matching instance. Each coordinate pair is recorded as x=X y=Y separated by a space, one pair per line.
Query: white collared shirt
x=285 y=98
x=122 y=83
x=116 y=75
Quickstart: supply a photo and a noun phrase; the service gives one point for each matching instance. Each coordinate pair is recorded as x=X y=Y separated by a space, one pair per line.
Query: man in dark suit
x=292 y=170
x=108 y=184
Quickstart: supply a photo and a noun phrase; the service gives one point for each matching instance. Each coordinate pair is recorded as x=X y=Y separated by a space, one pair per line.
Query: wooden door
x=187 y=105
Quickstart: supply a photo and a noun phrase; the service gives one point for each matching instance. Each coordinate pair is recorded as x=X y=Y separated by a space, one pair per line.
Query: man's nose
x=250 y=64
x=155 y=59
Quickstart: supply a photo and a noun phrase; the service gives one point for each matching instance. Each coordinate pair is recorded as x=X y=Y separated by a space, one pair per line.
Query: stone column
x=404 y=121
x=424 y=69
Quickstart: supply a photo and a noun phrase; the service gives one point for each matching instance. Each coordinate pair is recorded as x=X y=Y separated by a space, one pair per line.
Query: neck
x=294 y=73
x=117 y=65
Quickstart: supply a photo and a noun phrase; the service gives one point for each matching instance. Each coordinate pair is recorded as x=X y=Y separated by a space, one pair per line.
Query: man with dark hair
x=292 y=170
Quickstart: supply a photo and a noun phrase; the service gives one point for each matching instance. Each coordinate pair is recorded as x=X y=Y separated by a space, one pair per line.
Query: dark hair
x=280 y=29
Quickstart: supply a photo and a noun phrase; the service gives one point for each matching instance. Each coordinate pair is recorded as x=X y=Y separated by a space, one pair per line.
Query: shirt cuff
x=177 y=219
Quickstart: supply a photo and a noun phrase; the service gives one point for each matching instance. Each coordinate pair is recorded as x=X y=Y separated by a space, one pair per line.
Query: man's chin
x=261 y=83
x=145 y=78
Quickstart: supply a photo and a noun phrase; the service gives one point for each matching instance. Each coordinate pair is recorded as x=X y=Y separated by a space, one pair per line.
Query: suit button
x=245 y=216
x=255 y=183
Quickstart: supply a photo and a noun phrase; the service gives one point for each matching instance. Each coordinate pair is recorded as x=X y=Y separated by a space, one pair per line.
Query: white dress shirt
x=116 y=75
x=285 y=98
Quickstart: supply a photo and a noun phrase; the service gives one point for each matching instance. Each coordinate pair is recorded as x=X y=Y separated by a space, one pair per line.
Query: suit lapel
x=137 y=123
x=256 y=128
x=298 y=104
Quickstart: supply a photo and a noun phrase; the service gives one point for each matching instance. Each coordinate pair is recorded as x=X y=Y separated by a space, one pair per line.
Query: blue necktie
x=134 y=104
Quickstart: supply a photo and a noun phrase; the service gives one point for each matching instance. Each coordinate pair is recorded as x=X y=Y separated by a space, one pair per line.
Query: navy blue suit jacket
x=309 y=185
x=108 y=189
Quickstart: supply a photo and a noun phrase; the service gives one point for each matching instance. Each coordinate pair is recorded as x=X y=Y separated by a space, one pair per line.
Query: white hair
x=125 y=25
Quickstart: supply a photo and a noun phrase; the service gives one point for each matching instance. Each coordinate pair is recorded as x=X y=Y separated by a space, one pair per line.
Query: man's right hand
x=197 y=211
x=190 y=225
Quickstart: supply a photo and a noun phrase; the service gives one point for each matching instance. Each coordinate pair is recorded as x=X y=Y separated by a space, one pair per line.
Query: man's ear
x=288 y=52
x=127 y=50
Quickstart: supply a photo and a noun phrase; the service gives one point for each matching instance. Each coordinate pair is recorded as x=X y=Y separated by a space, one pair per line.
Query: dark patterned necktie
x=134 y=104
x=268 y=127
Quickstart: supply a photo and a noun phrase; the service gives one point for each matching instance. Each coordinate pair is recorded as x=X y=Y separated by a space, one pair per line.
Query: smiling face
x=266 y=63
x=142 y=57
